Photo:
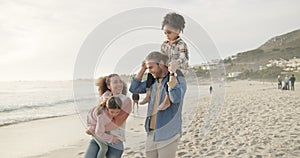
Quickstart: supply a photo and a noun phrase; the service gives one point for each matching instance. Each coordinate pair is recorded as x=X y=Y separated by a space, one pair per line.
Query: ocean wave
x=16 y=121
x=5 y=109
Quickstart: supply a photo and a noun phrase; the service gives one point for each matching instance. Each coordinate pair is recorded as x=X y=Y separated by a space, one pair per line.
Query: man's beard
x=158 y=74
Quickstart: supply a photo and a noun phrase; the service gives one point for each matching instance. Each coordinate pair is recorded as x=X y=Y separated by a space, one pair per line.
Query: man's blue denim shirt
x=168 y=121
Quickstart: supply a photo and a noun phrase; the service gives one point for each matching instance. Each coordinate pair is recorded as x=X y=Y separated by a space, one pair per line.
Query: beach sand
x=251 y=119
x=40 y=136
x=257 y=120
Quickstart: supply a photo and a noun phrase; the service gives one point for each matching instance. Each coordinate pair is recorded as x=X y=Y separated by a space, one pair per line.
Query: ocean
x=22 y=101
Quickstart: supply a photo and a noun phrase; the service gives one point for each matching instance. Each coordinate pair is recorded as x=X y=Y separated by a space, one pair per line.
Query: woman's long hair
x=102 y=84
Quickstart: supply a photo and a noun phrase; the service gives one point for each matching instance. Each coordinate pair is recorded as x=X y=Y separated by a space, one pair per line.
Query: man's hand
x=143 y=65
x=142 y=70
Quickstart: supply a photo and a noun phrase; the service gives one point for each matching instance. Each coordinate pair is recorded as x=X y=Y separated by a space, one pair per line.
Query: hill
x=285 y=46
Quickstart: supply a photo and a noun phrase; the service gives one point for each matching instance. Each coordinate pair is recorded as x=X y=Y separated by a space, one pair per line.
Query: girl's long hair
x=113 y=102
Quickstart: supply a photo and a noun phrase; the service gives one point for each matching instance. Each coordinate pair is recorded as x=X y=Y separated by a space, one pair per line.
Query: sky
x=41 y=40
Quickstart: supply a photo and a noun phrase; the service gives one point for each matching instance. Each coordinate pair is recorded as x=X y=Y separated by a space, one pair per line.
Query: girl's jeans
x=113 y=150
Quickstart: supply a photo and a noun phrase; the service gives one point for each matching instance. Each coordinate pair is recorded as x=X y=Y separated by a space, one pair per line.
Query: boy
x=175 y=48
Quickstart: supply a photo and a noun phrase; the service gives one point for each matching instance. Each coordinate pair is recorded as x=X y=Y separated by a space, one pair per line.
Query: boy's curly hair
x=174 y=20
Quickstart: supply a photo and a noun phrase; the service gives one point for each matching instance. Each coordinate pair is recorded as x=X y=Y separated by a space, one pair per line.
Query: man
x=163 y=127
x=293 y=79
x=287 y=81
x=279 y=80
x=135 y=97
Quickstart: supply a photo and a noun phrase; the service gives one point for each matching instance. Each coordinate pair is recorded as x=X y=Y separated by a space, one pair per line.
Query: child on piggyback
x=175 y=48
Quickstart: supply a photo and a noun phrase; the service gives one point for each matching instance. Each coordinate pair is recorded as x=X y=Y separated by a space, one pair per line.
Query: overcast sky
x=40 y=39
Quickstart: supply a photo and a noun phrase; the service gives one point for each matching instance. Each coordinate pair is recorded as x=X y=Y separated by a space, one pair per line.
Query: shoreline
x=251 y=122
x=36 y=119
x=40 y=136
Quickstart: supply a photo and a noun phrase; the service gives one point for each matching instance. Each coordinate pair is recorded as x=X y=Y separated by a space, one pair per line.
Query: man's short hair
x=157 y=57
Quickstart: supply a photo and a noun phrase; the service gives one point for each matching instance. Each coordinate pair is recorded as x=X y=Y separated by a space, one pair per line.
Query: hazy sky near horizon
x=40 y=40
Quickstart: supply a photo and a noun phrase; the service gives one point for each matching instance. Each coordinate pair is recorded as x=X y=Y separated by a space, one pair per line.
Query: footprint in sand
x=80 y=153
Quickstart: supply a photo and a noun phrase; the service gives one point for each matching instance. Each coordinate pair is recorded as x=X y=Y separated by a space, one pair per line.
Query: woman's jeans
x=114 y=150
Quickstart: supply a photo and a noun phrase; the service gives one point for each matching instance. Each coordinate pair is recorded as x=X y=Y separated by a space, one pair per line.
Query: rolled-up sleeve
x=124 y=113
x=137 y=86
x=121 y=117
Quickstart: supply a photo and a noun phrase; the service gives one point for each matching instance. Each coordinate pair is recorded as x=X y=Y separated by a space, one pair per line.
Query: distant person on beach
x=210 y=89
x=279 y=80
x=109 y=86
x=135 y=98
x=287 y=81
x=283 y=85
x=163 y=127
x=175 y=48
x=293 y=79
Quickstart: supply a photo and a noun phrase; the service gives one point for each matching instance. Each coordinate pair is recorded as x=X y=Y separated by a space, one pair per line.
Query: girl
x=100 y=116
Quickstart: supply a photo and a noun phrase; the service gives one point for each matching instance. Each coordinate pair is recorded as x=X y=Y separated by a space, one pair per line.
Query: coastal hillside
x=286 y=46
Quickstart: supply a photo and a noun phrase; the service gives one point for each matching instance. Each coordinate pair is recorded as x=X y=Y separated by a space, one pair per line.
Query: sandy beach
x=41 y=136
x=252 y=119
x=257 y=120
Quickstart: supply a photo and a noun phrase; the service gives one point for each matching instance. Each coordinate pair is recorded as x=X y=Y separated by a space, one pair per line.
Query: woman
x=108 y=86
